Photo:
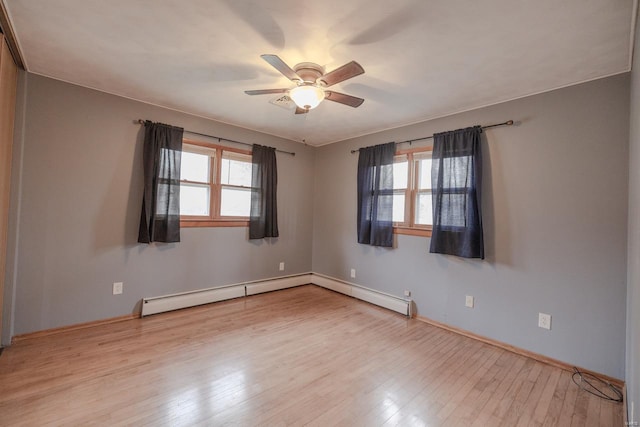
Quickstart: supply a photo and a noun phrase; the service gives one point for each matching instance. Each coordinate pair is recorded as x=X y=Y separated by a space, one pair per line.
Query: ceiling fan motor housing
x=309 y=72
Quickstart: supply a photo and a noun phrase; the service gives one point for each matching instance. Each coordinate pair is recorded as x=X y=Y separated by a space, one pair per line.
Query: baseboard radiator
x=391 y=302
x=205 y=296
x=164 y=303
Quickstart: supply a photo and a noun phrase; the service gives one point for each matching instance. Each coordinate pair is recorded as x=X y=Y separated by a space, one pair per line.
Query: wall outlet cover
x=544 y=321
x=117 y=288
x=468 y=302
x=353 y=273
x=281 y=266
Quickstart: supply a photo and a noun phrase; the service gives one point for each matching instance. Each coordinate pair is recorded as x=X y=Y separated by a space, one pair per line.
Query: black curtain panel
x=375 y=195
x=263 y=219
x=160 y=218
x=456 y=176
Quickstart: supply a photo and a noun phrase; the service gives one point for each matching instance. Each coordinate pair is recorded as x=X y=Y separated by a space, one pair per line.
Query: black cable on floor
x=596 y=386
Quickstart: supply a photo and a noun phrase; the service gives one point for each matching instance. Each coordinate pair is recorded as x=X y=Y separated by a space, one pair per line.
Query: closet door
x=8 y=82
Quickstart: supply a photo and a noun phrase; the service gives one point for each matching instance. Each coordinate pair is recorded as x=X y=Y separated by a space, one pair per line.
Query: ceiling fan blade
x=265 y=91
x=341 y=74
x=301 y=110
x=351 y=101
x=280 y=65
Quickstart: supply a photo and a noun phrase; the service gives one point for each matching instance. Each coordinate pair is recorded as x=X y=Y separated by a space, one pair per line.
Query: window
x=412 y=209
x=215 y=186
x=235 y=181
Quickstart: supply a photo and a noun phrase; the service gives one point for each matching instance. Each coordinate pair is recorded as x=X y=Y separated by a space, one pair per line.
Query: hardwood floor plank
x=301 y=356
x=483 y=390
x=506 y=404
x=593 y=412
x=453 y=404
x=569 y=402
x=551 y=417
x=515 y=410
x=529 y=403
x=579 y=416
x=618 y=417
x=547 y=395
x=425 y=405
x=365 y=407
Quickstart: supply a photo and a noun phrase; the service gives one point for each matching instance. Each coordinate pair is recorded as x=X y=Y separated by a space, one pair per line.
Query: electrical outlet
x=468 y=302
x=353 y=273
x=407 y=294
x=282 y=266
x=117 y=288
x=544 y=321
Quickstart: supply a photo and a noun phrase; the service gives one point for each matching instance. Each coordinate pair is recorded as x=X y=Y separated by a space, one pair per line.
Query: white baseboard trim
x=171 y=302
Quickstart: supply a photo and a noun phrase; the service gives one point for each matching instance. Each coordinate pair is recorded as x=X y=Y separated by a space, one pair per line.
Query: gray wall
x=633 y=276
x=555 y=212
x=555 y=218
x=79 y=187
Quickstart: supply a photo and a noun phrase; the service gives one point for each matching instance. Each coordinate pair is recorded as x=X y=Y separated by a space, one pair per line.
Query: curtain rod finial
x=509 y=122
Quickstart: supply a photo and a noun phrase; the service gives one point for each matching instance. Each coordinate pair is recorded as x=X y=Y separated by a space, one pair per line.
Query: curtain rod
x=140 y=121
x=507 y=123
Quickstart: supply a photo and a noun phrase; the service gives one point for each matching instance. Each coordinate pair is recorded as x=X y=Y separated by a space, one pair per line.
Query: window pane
x=194 y=167
x=400 y=175
x=424 y=212
x=166 y=200
x=168 y=164
x=459 y=172
x=454 y=209
x=236 y=171
x=424 y=174
x=398 y=207
x=235 y=202
x=194 y=200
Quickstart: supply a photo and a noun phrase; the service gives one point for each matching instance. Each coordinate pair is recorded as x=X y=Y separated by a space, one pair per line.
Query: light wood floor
x=294 y=357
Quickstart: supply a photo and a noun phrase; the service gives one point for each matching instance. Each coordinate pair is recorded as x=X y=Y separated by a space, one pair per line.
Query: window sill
x=408 y=231
x=190 y=223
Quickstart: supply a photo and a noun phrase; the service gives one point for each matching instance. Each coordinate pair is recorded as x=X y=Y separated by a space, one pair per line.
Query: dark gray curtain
x=375 y=195
x=263 y=219
x=160 y=218
x=456 y=176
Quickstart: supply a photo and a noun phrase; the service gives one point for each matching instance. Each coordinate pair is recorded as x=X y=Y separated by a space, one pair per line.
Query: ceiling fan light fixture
x=307 y=96
x=311 y=81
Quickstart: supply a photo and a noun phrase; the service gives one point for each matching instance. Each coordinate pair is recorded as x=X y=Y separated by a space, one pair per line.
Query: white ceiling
x=422 y=59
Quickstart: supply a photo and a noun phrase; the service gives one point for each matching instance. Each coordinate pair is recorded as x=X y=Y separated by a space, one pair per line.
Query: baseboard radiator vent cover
x=171 y=302
x=165 y=303
x=391 y=302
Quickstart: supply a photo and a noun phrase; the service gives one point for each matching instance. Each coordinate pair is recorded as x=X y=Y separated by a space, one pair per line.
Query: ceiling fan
x=311 y=83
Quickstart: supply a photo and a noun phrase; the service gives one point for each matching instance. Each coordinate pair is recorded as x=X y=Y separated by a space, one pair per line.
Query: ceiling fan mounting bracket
x=308 y=71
